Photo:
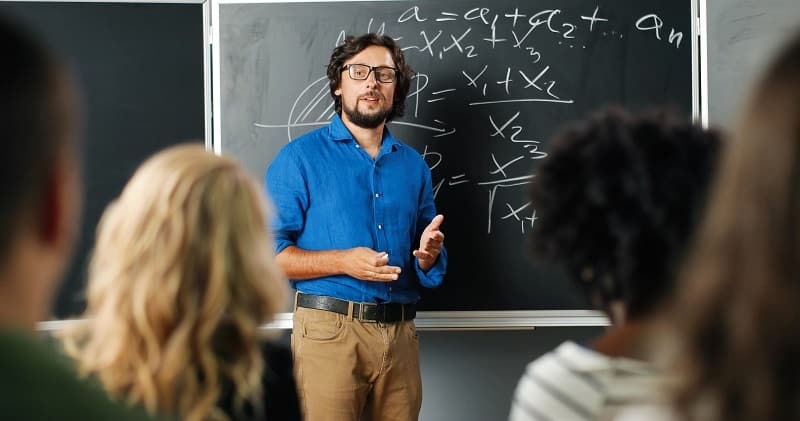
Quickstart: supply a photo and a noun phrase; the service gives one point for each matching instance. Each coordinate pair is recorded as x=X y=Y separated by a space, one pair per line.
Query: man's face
x=366 y=103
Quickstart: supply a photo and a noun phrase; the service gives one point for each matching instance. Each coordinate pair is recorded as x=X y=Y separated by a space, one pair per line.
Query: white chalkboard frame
x=448 y=320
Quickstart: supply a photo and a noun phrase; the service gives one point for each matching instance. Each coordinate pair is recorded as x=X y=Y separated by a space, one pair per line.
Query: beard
x=367 y=121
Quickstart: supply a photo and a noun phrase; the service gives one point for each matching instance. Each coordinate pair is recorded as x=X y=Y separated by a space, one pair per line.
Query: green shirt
x=37 y=383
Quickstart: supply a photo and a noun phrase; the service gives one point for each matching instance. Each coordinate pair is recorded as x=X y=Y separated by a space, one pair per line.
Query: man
x=39 y=214
x=356 y=232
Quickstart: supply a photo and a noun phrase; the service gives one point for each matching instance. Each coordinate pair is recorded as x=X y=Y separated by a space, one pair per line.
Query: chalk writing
x=592 y=19
x=483 y=74
x=522 y=220
x=651 y=22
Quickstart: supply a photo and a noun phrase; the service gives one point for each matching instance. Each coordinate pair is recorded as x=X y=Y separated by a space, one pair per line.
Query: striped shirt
x=576 y=383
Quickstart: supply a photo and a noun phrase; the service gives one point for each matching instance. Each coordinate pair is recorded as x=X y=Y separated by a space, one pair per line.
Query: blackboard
x=140 y=67
x=743 y=36
x=495 y=80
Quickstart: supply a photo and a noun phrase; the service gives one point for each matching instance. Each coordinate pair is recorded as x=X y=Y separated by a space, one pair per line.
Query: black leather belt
x=386 y=313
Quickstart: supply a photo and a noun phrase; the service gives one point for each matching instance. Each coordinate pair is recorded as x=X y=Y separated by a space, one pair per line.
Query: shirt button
x=380 y=227
x=377 y=195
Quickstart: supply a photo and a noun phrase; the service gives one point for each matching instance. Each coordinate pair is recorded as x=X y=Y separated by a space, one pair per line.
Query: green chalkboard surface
x=494 y=81
x=140 y=69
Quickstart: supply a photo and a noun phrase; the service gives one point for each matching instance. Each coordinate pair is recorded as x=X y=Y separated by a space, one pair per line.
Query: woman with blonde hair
x=739 y=312
x=181 y=278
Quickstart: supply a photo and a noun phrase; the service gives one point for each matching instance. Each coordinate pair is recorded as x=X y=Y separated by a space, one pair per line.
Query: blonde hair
x=181 y=277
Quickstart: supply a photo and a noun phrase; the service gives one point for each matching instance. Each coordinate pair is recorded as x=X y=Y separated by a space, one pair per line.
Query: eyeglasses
x=383 y=74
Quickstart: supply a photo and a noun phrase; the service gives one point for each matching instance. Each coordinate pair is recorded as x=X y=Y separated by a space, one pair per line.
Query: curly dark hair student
x=617 y=200
x=353 y=45
x=738 y=315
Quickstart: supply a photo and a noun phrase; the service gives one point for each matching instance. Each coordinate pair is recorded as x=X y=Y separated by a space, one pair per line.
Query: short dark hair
x=36 y=122
x=353 y=45
x=617 y=201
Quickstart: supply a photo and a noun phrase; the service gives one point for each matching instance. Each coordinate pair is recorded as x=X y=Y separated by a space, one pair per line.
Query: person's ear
x=60 y=206
x=338 y=92
x=50 y=219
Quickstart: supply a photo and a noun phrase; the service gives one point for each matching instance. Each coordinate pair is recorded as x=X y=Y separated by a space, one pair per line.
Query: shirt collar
x=389 y=141
x=339 y=132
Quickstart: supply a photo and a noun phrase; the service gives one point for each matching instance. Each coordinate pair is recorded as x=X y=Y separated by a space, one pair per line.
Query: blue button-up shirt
x=330 y=194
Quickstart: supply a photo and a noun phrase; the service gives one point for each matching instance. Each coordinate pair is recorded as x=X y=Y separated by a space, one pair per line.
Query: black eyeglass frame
x=372 y=69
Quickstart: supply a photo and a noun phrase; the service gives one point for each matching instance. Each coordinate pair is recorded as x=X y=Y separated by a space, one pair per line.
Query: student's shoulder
x=38 y=383
x=557 y=386
x=566 y=364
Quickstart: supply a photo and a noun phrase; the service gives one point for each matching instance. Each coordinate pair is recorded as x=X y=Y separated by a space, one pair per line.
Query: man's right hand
x=368 y=265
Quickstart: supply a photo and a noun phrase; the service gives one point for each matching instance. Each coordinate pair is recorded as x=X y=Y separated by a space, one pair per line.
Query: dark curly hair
x=618 y=198
x=353 y=45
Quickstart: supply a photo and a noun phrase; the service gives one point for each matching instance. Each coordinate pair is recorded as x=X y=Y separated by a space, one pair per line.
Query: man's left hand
x=430 y=244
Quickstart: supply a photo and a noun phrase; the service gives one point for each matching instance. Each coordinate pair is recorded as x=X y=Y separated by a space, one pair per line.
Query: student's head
x=616 y=201
x=740 y=309
x=39 y=173
x=362 y=94
x=180 y=280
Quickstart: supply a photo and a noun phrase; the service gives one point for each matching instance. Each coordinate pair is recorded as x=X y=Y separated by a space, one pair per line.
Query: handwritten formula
x=485 y=78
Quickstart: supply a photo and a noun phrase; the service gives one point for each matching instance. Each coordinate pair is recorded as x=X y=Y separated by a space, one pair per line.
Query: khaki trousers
x=352 y=370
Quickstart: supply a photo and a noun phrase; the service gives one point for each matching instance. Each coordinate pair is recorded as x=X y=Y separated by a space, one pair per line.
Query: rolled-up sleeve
x=435 y=275
x=427 y=211
x=286 y=186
